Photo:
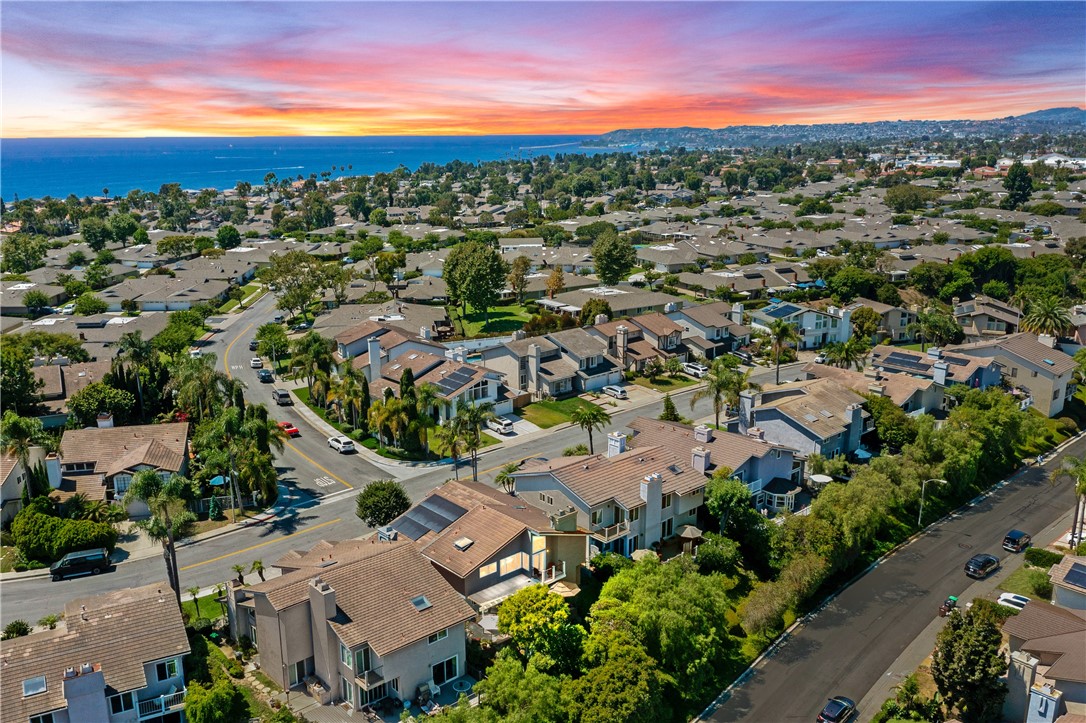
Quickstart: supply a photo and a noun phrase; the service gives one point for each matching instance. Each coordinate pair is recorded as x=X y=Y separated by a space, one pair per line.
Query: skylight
x=421 y=603
x=33 y=686
x=463 y=543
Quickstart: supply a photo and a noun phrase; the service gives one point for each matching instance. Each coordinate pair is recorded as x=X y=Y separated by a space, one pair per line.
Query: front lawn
x=1029 y=581
x=208 y=608
x=8 y=553
x=549 y=413
x=665 y=383
x=503 y=320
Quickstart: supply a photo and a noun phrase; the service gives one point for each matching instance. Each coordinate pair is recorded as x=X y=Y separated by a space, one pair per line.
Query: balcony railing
x=552 y=573
x=371 y=678
x=612 y=532
x=161 y=705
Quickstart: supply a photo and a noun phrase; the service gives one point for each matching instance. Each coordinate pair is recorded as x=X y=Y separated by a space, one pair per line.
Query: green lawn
x=503 y=320
x=665 y=383
x=208 y=607
x=549 y=413
x=1029 y=581
x=8 y=553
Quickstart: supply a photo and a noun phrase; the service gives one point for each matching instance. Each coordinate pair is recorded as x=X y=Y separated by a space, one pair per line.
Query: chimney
x=939 y=372
x=622 y=344
x=519 y=334
x=616 y=443
x=600 y=319
x=52 y=469
x=1047 y=340
x=755 y=433
x=955 y=301
x=871 y=372
x=652 y=488
x=534 y=354
x=322 y=599
x=424 y=332
x=737 y=311
x=373 y=349
x=703 y=433
x=935 y=352
x=879 y=390
x=700 y=460
x=105 y=420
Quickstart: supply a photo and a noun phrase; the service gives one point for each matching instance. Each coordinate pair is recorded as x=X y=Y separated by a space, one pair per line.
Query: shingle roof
x=597 y=479
x=121 y=631
x=1055 y=631
x=1026 y=347
x=489 y=531
x=119 y=448
x=820 y=404
x=726 y=450
x=657 y=324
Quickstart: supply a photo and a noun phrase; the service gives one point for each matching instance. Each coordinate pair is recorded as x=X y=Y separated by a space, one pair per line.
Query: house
x=116 y=657
x=537 y=285
x=816 y=328
x=984 y=316
x=915 y=395
x=13 y=477
x=162 y=293
x=12 y=293
x=408 y=317
x=1042 y=375
x=101 y=461
x=668 y=258
x=634 y=342
x=942 y=367
x=60 y=382
x=624 y=301
x=357 y=343
x=536 y=365
x=894 y=321
x=1068 y=579
x=713 y=329
x=1047 y=673
x=488 y=544
x=100 y=333
x=458 y=382
x=814 y=416
x=355 y=622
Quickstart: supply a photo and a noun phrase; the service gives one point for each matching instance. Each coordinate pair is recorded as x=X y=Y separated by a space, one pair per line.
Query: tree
x=1046 y=316
x=122 y=226
x=89 y=304
x=19 y=435
x=613 y=256
x=448 y=437
x=781 y=334
x=593 y=308
x=625 y=685
x=15 y=629
x=865 y=322
x=475 y=274
x=723 y=385
x=506 y=477
x=19 y=386
x=257 y=566
x=294 y=278
x=220 y=702
x=100 y=398
x=851 y=282
x=227 y=237
x=669 y=413
x=170 y=520
x=538 y=622
x=239 y=570
x=95 y=233
x=469 y=421
x=271 y=341
x=519 y=693
x=935 y=327
x=380 y=502
x=1075 y=467
x=1019 y=185
x=589 y=417
x=967 y=664
x=556 y=283
x=893 y=426
x=35 y=302
x=176 y=246
x=518 y=276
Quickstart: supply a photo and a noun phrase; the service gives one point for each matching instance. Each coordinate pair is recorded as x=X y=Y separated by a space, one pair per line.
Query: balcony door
x=445 y=671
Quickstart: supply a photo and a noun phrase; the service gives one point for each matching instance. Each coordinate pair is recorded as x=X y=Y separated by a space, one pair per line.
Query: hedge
x=1040 y=557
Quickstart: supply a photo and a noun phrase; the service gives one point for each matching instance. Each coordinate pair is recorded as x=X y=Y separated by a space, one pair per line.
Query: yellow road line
x=226 y=354
x=515 y=461
x=309 y=459
x=262 y=544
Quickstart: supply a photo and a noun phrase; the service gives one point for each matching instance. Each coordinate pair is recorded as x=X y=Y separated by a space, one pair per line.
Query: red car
x=289 y=429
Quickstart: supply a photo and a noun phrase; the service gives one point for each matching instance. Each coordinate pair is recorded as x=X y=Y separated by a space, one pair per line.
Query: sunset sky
x=99 y=69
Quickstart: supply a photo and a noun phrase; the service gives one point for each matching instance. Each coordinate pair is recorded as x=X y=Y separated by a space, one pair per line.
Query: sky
x=104 y=69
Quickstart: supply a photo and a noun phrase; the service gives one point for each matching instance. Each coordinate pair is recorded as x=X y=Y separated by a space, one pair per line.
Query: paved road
x=847 y=646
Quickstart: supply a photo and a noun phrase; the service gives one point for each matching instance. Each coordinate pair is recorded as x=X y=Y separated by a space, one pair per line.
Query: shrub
x=202 y=625
x=607 y=564
x=15 y=629
x=1040 y=557
x=1067 y=425
x=1081 y=549
x=235 y=669
x=576 y=451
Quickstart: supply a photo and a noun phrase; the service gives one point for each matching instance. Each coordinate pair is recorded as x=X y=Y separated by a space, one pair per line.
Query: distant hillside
x=1051 y=120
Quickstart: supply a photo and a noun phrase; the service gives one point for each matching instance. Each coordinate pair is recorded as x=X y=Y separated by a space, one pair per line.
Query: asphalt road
x=846 y=647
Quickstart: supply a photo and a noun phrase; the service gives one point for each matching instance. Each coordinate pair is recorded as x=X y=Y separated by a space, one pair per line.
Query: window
x=348 y=689
x=479 y=390
x=666 y=528
x=421 y=603
x=43 y=718
x=597 y=517
x=488 y=569
x=1033 y=374
x=512 y=563
x=166 y=670
x=121 y=483
x=666 y=501
x=635 y=514
x=33 y=686
x=344 y=655
x=1056 y=394
x=444 y=671
x=439 y=635
x=121 y=703
x=1014 y=371
x=544 y=497
x=362 y=660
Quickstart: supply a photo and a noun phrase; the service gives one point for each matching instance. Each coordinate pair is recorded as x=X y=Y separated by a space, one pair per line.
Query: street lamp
x=923 y=485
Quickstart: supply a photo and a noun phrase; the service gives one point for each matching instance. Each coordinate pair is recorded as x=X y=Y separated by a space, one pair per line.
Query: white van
x=500 y=425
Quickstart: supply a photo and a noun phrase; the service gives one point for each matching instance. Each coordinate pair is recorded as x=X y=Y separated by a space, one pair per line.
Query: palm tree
x=312 y=354
x=1076 y=468
x=132 y=348
x=470 y=420
x=852 y=353
x=428 y=400
x=448 y=437
x=781 y=334
x=239 y=570
x=590 y=417
x=505 y=477
x=198 y=388
x=1046 y=316
x=735 y=383
x=195 y=592
x=723 y=385
x=170 y=519
x=258 y=568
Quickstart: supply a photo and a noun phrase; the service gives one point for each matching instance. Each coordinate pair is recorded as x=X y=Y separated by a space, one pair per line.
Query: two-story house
x=555 y=364
x=355 y=622
x=710 y=330
x=984 y=316
x=816 y=328
x=488 y=544
x=1043 y=375
x=595 y=368
x=1046 y=678
x=915 y=395
x=458 y=382
x=634 y=342
x=369 y=340
x=114 y=658
x=814 y=416
x=940 y=366
x=894 y=320
x=101 y=461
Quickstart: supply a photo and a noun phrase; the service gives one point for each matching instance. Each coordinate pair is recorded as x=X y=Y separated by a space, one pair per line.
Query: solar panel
x=445 y=507
x=447 y=386
x=409 y=528
x=956 y=361
x=782 y=311
x=1076 y=575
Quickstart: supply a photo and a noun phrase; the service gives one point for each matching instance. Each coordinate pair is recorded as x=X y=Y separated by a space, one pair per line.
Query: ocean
x=57 y=167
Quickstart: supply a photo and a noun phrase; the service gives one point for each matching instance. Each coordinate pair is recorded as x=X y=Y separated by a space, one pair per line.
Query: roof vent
x=463 y=543
x=69 y=672
x=421 y=603
x=86 y=668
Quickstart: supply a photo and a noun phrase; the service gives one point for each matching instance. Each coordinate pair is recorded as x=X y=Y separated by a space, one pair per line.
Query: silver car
x=615 y=391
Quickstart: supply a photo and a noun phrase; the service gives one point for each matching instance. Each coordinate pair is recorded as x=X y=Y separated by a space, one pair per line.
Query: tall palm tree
x=470 y=420
x=388 y=415
x=138 y=353
x=1076 y=468
x=849 y=354
x=781 y=334
x=428 y=401
x=735 y=383
x=170 y=519
x=448 y=436
x=195 y=592
x=312 y=354
x=1046 y=316
x=723 y=385
x=198 y=387
x=505 y=476
x=590 y=417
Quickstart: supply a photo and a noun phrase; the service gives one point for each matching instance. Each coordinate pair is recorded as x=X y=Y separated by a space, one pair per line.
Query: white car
x=195 y=353
x=821 y=358
x=695 y=370
x=341 y=444
x=256 y=363
x=615 y=391
x=1012 y=600
x=67 y=309
x=500 y=425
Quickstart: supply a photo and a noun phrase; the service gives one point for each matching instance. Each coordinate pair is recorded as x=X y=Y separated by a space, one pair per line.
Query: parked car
x=615 y=391
x=254 y=345
x=67 y=309
x=500 y=425
x=289 y=429
x=278 y=318
x=256 y=363
x=282 y=397
x=980 y=566
x=1016 y=541
x=695 y=370
x=1013 y=601
x=301 y=326
x=821 y=358
x=837 y=710
x=265 y=376
x=81 y=563
x=341 y=444
x=195 y=353
x=743 y=356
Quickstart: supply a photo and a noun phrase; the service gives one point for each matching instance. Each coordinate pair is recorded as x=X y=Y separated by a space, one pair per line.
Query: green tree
x=865 y=322
x=170 y=519
x=294 y=278
x=469 y=422
x=122 y=226
x=35 y=302
x=506 y=477
x=967 y=665
x=451 y=442
x=613 y=256
x=893 y=426
x=851 y=282
x=19 y=386
x=220 y=702
x=624 y=685
x=381 y=502
x=593 y=308
x=100 y=398
x=520 y=693
x=518 y=276
x=1019 y=185
x=271 y=340
x=89 y=304
x=475 y=274
x=15 y=629
x=589 y=417
x=317 y=212
x=176 y=246
x=20 y=435
x=669 y=413
x=1046 y=316
x=781 y=335
x=227 y=237
x=723 y=385
x=95 y=232
x=935 y=327
x=538 y=622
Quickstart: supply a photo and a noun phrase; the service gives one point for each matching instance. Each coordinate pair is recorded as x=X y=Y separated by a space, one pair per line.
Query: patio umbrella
x=565 y=589
x=689 y=532
x=639 y=555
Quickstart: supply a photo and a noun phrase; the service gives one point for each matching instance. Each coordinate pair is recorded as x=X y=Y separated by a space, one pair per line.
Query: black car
x=1016 y=541
x=265 y=376
x=81 y=563
x=253 y=345
x=979 y=566
x=838 y=709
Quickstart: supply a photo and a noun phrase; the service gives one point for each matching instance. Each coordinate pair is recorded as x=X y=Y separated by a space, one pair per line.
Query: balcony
x=371 y=678
x=154 y=707
x=550 y=574
x=612 y=532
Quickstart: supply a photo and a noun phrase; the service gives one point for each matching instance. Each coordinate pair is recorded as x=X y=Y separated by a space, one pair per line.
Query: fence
x=226 y=502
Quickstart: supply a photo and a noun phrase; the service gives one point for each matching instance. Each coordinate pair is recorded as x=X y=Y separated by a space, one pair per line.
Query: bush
x=1081 y=549
x=1067 y=425
x=1040 y=557
x=15 y=629
x=576 y=451
x=202 y=625
x=235 y=669
x=607 y=564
